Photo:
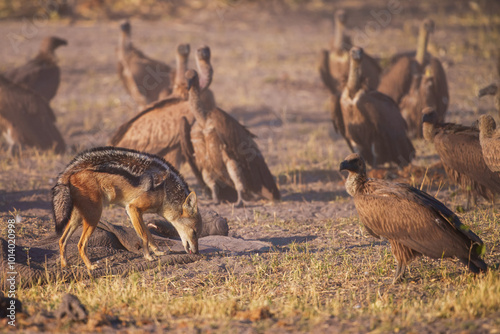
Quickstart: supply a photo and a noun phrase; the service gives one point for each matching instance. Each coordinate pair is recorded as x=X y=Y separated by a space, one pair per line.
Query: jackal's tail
x=62 y=205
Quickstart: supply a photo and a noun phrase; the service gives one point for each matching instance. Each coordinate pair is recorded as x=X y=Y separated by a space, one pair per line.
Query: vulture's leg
x=400 y=272
x=236 y=176
x=211 y=182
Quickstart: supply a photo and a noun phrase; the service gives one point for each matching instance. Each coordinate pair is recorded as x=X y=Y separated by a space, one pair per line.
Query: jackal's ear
x=190 y=205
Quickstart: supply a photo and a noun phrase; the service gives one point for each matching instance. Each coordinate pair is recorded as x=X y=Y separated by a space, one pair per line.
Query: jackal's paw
x=158 y=253
x=148 y=257
x=92 y=267
x=63 y=263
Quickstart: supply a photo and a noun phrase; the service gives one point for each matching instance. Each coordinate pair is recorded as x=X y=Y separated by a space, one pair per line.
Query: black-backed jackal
x=140 y=182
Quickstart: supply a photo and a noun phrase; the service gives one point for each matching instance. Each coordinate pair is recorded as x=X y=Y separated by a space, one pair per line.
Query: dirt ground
x=265 y=65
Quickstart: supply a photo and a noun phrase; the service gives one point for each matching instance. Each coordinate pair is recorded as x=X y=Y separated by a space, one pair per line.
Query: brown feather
x=225 y=153
x=41 y=74
x=459 y=148
x=396 y=82
x=27 y=119
x=145 y=79
x=489 y=138
x=156 y=130
x=413 y=221
x=373 y=123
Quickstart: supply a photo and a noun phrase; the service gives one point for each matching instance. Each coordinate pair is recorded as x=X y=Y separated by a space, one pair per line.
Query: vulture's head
x=183 y=50
x=488 y=90
x=356 y=53
x=354 y=163
x=340 y=16
x=487 y=125
x=49 y=44
x=203 y=53
x=126 y=27
x=429 y=119
x=192 y=80
x=428 y=25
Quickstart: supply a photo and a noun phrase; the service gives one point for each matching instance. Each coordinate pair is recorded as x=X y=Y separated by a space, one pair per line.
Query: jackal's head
x=188 y=225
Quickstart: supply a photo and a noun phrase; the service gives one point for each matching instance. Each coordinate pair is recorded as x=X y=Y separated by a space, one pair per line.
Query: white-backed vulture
x=459 y=148
x=41 y=74
x=223 y=152
x=489 y=137
x=413 y=222
x=26 y=118
x=156 y=128
x=373 y=123
x=397 y=80
x=493 y=90
x=419 y=97
x=339 y=57
x=144 y=78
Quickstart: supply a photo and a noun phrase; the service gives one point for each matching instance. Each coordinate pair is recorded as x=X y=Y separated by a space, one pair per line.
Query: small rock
x=72 y=308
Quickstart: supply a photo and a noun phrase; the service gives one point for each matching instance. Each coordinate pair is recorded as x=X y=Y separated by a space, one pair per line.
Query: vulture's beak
x=125 y=27
x=344 y=165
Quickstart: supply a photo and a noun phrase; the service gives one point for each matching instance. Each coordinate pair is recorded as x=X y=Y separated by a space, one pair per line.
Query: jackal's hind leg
x=74 y=222
x=82 y=244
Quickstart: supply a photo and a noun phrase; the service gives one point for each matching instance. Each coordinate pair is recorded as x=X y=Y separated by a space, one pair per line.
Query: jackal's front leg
x=142 y=231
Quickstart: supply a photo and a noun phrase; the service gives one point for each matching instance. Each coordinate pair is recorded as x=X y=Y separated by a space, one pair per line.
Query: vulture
x=156 y=129
x=414 y=222
x=494 y=91
x=144 y=78
x=459 y=148
x=41 y=74
x=339 y=57
x=223 y=153
x=419 y=97
x=489 y=137
x=372 y=121
x=26 y=119
x=397 y=81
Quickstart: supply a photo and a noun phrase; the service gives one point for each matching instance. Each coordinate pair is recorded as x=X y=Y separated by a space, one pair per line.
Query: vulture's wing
x=415 y=219
x=396 y=82
x=491 y=152
x=155 y=129
x=41 y=75
x=241 y=147
x=384 y=115
x=30 y=117
x=440 y=88
x=324 y=71
x=460 y=150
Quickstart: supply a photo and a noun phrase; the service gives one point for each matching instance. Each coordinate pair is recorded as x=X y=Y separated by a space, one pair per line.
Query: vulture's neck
x=354 y=80
x=338 y=38
x=206 y=73
x=196 y=105
x=180 y=78
x=428 y=131
x=124 y=41
x=354 y=182
x=423 y=40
